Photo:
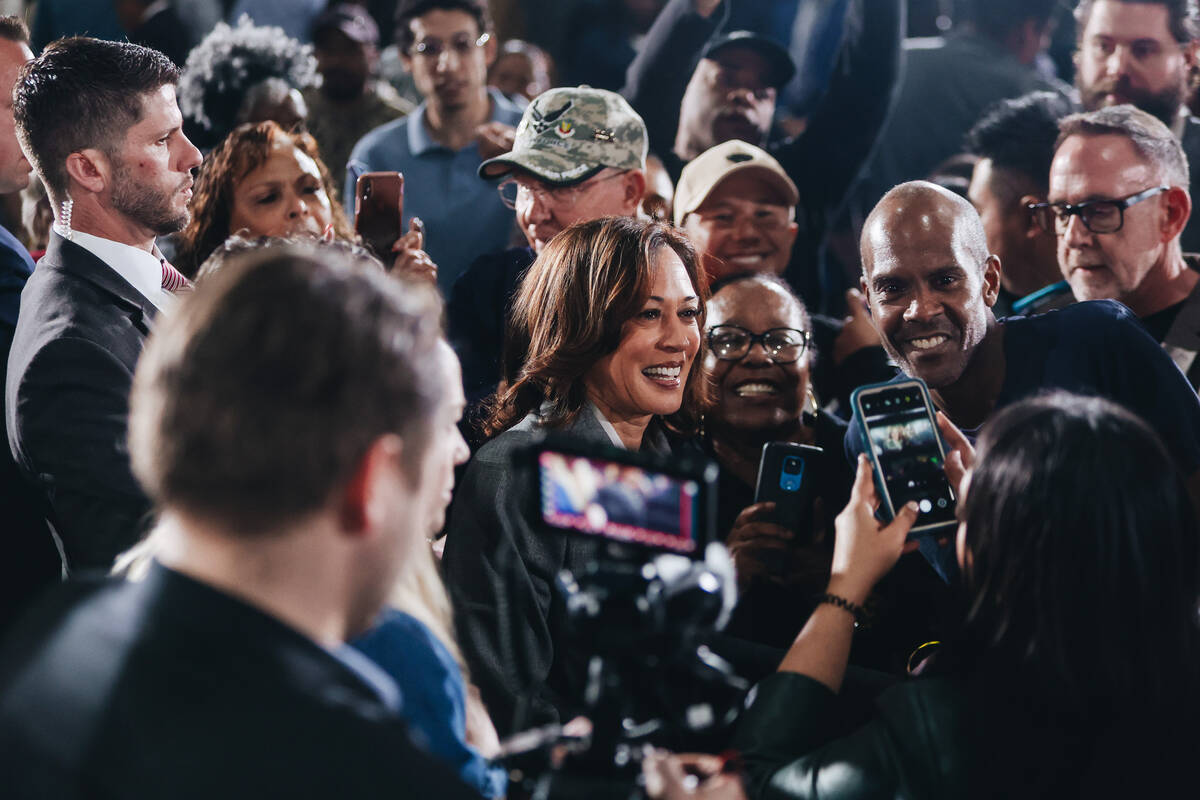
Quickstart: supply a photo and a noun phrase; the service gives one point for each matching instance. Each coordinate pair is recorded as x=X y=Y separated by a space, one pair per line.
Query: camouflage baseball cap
x=568 y=135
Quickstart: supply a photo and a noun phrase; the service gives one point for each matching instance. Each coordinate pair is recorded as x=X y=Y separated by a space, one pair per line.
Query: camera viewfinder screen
x=905 y=445
x=618 y=501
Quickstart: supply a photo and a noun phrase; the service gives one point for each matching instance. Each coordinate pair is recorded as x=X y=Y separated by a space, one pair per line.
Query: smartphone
x=786 y=473
x=907 y=455
x=378 y=209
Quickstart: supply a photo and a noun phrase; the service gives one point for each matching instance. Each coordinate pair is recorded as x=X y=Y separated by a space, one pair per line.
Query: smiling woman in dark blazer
x=613 y=310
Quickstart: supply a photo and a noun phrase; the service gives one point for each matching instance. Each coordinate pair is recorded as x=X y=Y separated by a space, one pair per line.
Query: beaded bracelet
x=856 y=610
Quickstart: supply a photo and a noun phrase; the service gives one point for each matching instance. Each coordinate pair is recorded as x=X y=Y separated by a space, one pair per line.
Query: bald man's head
x=919 y=208
x=929 y=280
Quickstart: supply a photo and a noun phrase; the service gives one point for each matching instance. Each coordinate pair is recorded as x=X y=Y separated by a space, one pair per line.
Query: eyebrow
x=661 y=300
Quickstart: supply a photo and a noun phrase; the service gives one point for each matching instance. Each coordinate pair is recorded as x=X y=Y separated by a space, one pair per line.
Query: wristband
x=857 y=611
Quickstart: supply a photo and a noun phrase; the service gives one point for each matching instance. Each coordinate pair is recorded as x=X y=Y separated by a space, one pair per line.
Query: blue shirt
x=463 y=215
x=434 y=697
x=1095 y=348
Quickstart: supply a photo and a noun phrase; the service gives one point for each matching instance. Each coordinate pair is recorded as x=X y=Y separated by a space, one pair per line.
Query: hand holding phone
x=378 y=210
x=786 y=473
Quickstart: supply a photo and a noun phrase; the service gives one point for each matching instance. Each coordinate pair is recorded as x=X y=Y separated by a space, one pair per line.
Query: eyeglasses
x=461 y=45
x=733 y=342
x=1098 y=216
x=514 y=192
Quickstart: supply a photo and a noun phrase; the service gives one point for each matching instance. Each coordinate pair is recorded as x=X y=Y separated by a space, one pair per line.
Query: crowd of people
x=272 y=515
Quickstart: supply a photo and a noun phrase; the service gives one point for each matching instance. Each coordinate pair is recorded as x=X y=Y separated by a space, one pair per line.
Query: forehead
x=160 y=112
x=919 y=242
x=13 y=56
x=442 y=23
x=1097 y=167
x=1129 y=21
x=668 y=276
x=753 y=305
x=747 y=185
x=284 y=160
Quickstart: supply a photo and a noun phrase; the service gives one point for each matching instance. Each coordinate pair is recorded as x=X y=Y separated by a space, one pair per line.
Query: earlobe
x=991 y=280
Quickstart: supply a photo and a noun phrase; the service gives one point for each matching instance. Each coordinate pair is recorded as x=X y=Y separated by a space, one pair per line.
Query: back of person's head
x=570 y=309
x=997 y=20
x=1183 y=16
x=244 y=150
x=14 y=29
x=1152 y=140
x=83 y=93
x=1020 y=134
x=408 y=10
x=256 y=401
x=1081 y=558
x=220 y=77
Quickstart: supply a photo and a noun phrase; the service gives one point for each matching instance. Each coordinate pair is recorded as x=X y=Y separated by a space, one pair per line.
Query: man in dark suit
x=100 y=123
x=298 y=473
x=31 y=561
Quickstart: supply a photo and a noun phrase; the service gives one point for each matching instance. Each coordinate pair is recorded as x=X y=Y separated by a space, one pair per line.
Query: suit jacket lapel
x=82 y=264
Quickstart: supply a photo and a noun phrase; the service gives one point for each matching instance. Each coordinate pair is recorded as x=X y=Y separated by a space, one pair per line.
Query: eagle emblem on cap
x=543 y=122
x=565 y=129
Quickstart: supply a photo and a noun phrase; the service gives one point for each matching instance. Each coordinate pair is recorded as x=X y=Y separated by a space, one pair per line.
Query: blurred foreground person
x=298 y=474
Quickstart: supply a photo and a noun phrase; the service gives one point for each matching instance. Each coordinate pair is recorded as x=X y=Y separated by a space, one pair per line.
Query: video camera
x=640 y=612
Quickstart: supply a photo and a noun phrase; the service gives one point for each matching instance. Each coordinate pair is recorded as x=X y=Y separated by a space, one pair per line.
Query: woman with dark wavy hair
x=613 y=310
x=1077 y=669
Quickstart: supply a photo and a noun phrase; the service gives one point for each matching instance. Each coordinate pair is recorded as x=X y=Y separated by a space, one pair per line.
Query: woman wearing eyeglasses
x=758 y=365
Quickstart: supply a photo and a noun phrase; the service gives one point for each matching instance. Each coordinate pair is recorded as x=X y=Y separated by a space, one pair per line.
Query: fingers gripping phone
x=786 y=474
x=907 y=455
x=378 y=209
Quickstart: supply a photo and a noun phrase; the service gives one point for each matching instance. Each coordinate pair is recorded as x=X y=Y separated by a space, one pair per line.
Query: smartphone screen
x=618 y=501
x=903 y=436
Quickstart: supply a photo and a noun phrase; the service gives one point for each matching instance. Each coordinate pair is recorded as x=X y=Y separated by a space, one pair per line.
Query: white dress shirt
x=142 y=270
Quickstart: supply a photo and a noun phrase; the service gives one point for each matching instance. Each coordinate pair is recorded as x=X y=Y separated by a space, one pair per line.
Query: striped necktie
x=172 y=279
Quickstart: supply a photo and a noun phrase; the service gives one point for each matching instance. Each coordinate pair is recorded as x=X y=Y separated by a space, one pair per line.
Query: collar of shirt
x=142 y=270
x=371 y=674
x=419 y=140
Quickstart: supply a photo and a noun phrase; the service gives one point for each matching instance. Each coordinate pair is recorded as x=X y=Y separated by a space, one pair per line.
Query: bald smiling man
x=931 y=285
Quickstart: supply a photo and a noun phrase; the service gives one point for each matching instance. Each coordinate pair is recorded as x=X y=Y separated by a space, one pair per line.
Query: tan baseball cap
x=705 y=171
x=568 y=135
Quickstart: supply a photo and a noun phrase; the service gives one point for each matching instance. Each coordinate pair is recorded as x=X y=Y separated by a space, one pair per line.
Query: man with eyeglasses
x=579 y=154
x=1118 y=204
x=1142 y=52
x=447 y=46
x=931 y=284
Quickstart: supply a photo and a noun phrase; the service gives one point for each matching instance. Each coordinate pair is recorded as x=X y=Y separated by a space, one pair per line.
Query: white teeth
x=662 y=372
x=754 y=389
x=751 y=259
x=925 y=344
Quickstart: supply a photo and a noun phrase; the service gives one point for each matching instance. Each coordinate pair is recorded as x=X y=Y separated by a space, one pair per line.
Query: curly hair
x=245 y=149
x=226 y=65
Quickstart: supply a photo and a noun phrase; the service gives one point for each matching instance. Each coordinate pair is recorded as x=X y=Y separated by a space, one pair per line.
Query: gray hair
x=1152 y=140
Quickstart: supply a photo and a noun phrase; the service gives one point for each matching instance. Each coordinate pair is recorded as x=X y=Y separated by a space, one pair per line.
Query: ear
x=490 y=48
x=90 y=168
x=1191 y=51
x=1179 y=210
x=793 y=229
x=634 y=184
x=991 y=280
x=862 y=287
x=361 y=504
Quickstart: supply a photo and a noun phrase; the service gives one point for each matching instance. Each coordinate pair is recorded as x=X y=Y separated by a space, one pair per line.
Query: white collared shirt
x=142 y=270
x=613 y=436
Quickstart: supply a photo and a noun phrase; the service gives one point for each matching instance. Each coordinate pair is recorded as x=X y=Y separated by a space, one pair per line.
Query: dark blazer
x=501 y=566
x=170 y=688
x=80 y=332
x=31 y=560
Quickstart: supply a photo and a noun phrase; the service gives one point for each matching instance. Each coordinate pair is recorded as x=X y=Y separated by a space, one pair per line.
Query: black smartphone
x=378 y=209
x=786 y=473
x=901 y=438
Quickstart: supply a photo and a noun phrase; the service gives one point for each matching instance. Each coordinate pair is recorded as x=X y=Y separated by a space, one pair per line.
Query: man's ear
x=862 y=287
x=1179 y=210
x=90 y=168
x=634 y=185
x=361 y=508
x=1032 y=229
x=491 y=48
x=991 y=280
